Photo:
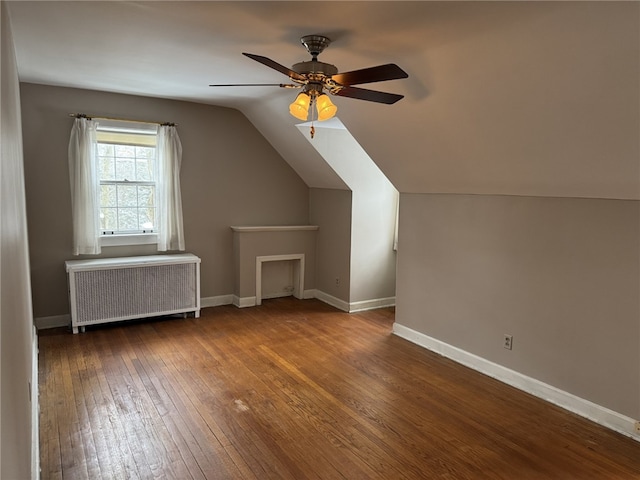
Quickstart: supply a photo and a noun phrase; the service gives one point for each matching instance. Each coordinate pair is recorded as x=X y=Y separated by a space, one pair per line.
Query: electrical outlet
x=508 y=342
x=337 y=281
x=637 y=427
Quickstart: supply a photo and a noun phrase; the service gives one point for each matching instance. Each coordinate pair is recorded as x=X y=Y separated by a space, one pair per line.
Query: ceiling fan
x=315 y=78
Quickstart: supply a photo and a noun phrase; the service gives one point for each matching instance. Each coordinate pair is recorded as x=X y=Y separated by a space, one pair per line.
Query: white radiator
x=113 y=289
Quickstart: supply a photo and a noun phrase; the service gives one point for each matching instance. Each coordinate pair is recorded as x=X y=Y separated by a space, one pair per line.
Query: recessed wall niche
x=288 y=251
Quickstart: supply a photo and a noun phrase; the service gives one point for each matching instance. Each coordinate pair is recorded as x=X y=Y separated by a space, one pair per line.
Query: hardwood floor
x=296 y=390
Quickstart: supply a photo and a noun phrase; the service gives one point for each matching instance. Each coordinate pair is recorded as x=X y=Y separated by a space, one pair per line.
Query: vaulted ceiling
x=523 y=98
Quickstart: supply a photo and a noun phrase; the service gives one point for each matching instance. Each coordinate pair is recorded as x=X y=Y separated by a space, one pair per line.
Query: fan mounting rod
x=315 y=44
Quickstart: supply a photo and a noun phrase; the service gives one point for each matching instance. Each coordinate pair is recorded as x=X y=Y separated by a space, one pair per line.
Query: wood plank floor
x=296 y=390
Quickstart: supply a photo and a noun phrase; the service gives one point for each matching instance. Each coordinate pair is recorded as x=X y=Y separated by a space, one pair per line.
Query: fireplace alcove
x=254 y=247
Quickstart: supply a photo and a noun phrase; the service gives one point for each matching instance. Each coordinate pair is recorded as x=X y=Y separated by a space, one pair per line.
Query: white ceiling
x=526 y=98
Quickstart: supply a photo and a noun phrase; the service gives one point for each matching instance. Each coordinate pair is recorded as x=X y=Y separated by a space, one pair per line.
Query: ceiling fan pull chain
x=312 y=130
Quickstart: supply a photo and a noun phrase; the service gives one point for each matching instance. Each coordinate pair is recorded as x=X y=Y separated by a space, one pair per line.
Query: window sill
x=135 y=239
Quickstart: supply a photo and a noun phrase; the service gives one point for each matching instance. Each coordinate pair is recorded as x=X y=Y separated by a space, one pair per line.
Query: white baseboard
x=372 y=304
x=216 y=301
x=244 y=301
x=354 y=307
x=598 y=414
x=331 y=300
x=56 y=321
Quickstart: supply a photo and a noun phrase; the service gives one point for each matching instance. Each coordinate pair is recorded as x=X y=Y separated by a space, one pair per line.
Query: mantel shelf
x=274 y=228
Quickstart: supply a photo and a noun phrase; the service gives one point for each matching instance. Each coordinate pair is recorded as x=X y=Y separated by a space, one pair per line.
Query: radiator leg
x=82 y=329
x=75 y=330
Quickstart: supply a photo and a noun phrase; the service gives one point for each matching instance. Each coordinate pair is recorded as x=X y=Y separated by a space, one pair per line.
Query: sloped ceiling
x=522 y=98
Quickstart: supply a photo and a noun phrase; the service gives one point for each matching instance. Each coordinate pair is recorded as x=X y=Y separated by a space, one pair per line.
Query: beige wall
x=517 y=98
x=560 y=275
x=230 y=176
x=18 y=414
x=331 y=211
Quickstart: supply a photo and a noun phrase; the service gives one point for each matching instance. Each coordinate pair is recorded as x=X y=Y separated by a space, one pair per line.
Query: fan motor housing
x=314 y=67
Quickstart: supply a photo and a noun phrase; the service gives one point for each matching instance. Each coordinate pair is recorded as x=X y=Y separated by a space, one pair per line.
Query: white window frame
x=121 y=128
x=124 y=239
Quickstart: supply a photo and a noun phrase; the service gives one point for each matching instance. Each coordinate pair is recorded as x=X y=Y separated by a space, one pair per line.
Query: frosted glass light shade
x=300 y=106
x=326 y=108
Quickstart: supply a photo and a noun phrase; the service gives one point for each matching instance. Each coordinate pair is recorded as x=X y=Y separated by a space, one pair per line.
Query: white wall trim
x=599 y=414
x=134 y=239
x=35 y=407
x=216 y=301
x=354 y=306
x=56 y=321
x=298 y=283
x=244 y=301
x=331 y=300
x=372 y=304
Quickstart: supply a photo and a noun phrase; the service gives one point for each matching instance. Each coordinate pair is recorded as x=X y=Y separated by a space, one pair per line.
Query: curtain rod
x=88 y=117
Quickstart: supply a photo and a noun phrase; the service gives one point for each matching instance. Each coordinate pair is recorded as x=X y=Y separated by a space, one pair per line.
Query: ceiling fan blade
x=390 y=71
x=369 y=95
x=275 y=65
x=282 y=85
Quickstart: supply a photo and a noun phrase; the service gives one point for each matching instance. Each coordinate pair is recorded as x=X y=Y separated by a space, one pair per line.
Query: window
x=126 y=170
x=125 y=184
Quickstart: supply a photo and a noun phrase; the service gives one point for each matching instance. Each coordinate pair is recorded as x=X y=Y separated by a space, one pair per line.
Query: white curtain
x=83 y=172
x=169 y=200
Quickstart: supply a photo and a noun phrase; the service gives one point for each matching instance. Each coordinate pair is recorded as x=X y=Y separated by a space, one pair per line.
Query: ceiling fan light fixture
x=316 y=77
x=300 y=106
x=326 y=108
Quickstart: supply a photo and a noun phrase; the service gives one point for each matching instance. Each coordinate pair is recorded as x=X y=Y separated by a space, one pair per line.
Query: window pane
x=146 y=195
x=144 y=170
x=108 y=196
x=144 y=162
x=125 y=151
x=128 y=219
x=146 y=218
x=107 y=168
x=108 y=219
x=126 y=207
x=125 y=169
x=145 y=152
x=127 y=196
x=105 y=150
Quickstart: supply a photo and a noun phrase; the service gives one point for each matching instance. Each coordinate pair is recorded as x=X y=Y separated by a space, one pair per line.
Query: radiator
x=114 y=289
